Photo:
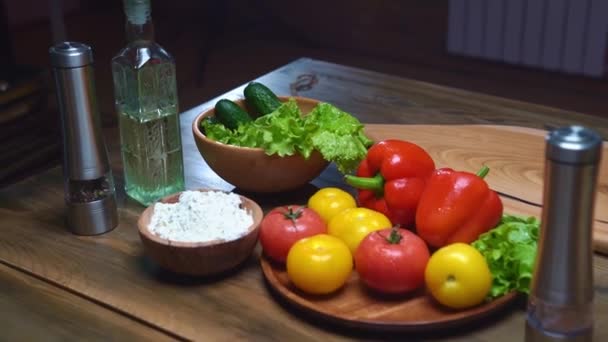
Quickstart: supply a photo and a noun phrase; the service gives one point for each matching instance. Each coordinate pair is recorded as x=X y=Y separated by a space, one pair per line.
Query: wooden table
x=55 y=285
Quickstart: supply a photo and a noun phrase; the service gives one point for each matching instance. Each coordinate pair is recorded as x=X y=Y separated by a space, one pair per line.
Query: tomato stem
x=293 y=215
x=394 y=238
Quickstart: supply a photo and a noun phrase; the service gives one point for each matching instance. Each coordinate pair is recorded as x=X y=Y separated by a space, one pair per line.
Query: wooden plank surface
x=37 y=242
x=514 y=155
x=111 y=269
x=379 y=98
x=32 y=310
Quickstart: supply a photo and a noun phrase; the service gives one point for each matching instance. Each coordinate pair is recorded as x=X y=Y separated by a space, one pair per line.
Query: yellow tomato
x=458 y=276
x=328 y=202
x=319 y=264
x=353 y=225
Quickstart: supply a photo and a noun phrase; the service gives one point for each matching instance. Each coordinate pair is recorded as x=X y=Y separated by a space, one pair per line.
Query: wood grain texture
x=32 y=310
x=29 y=144
x=112 y=269
x=268 y=174
x=200 y=258
x=379 y=98
x=354 y=306
x=38 y=242
x=514 y=155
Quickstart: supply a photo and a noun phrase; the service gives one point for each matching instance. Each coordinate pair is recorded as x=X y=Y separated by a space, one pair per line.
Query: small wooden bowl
x=199 y=258
x=251 y=169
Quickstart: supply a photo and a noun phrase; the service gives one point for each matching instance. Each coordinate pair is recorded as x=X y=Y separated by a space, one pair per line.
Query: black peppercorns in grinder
x=88 y=182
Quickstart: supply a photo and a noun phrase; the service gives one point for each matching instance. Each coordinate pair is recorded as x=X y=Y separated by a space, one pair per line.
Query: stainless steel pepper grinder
x=561 y=295
x=88 y=183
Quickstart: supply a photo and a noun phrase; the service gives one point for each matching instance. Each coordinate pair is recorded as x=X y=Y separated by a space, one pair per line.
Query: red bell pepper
x=456 y=207
x=391 y=179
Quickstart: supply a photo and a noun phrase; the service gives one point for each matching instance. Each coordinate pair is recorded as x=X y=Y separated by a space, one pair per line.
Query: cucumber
x=261 y=99
x=230 y=114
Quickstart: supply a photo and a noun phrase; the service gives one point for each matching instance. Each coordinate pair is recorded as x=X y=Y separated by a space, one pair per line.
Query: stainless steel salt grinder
x=561 y=295
x=89 y=186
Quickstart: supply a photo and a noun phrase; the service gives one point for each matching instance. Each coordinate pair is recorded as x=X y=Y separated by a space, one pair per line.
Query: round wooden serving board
x=355 y=306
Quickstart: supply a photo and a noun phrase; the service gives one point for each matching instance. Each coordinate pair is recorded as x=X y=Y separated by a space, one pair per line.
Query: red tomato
x=392 y=260
x=285 y=225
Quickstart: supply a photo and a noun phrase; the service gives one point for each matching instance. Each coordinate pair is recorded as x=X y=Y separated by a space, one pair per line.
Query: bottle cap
x=70 y=55
x=574 y=145
x=137 y=11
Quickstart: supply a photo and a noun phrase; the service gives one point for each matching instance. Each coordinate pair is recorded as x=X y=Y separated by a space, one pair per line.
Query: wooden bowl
x=251 y=169
x=199 y=258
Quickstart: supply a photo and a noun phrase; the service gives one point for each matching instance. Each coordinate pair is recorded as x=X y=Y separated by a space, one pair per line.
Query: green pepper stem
x=375 y=183
x=483 y=172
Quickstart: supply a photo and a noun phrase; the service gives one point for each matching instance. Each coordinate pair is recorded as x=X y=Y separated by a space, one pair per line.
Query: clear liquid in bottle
x=146 y=101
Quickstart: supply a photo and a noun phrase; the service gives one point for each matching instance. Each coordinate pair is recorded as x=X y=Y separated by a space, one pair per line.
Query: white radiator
x=559 y=35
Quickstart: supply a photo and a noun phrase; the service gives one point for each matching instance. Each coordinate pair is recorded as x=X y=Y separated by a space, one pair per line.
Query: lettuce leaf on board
x=337 y=135
x=510 y=250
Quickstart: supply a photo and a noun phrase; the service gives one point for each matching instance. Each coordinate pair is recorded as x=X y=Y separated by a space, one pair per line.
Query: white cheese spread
x=201 y=216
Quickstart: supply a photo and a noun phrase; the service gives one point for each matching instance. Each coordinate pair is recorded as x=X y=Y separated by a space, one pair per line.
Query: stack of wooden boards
x=30 y=136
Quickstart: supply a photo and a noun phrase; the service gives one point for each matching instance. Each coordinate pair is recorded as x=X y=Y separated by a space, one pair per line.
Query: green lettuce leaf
x=281 y=132
x=337 y=135
x=510 y=250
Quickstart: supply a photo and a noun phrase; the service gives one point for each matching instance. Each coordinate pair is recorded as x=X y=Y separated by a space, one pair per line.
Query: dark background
x=219 y=45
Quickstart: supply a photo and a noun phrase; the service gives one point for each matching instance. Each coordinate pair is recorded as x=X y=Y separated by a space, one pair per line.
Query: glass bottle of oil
x=145 y=93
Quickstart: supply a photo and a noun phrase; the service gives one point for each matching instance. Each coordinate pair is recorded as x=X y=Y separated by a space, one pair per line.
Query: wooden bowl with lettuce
x=268 y=144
